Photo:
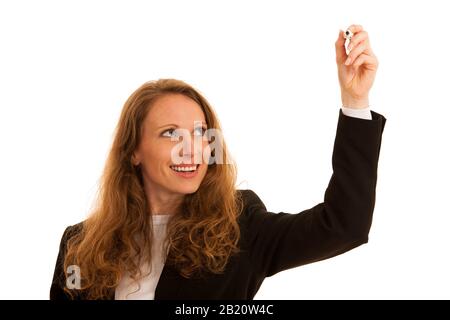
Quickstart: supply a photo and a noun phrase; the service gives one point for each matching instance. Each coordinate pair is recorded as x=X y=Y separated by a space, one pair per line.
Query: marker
x=348 y=36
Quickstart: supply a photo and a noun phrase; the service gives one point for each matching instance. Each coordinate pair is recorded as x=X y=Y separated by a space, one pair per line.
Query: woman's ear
x=135 y=160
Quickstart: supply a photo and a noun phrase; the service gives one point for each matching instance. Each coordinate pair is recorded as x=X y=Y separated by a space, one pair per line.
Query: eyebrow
x=175 y=125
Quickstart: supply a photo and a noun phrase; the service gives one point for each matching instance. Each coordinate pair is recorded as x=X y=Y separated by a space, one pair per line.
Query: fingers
x=355 y=28
x=341 y=55
x=358 y=45
x=358 y=50
x=341 y=38
x=357 y=38
x=370 y=62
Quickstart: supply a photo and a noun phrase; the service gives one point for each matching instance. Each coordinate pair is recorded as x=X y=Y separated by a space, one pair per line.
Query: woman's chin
x=185 y=187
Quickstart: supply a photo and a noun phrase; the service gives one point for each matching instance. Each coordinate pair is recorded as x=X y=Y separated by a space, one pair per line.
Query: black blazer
x=273 y=242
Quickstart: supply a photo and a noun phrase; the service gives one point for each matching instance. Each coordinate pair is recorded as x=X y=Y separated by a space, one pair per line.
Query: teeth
x=184 y=168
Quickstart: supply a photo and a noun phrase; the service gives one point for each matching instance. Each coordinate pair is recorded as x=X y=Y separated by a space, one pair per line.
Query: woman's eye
x=171 y=133
x=200 y=131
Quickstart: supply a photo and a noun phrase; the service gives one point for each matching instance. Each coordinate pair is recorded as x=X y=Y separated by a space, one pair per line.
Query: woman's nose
x=194 y=152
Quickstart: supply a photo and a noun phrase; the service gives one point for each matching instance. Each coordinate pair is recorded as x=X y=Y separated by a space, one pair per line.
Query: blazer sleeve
x=280 y=241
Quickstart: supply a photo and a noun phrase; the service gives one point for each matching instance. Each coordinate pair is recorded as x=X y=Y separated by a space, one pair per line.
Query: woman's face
x=158 y=153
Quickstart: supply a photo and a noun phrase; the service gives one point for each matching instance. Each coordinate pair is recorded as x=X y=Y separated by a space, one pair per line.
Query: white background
x=268 y=68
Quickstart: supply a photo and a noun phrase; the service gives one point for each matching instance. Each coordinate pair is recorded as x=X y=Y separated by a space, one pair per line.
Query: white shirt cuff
x=357 y=113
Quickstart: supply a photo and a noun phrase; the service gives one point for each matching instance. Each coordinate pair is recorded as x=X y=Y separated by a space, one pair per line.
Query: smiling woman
x=141 y=182
x=170 y=224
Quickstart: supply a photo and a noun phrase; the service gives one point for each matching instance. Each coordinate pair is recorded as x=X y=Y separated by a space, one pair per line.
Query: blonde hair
x=118 y=232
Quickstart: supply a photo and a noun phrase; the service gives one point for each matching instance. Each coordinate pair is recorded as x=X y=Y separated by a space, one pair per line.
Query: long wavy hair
x=117 y=235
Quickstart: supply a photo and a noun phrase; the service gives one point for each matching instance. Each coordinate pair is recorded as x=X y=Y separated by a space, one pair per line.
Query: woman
x=169 y=222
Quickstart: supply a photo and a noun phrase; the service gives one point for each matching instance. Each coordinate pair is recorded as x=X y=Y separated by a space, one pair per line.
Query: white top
x=127 y=289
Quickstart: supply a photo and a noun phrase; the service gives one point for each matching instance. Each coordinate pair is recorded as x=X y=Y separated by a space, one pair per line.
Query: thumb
x=341 y=55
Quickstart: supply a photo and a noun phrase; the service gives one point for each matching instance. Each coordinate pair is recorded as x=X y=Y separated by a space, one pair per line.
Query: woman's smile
x=185 y=170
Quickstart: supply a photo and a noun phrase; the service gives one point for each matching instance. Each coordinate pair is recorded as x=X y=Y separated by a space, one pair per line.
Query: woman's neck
x=164 y=203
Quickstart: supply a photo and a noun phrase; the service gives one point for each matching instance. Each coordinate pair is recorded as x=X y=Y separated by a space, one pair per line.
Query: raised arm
x=341 y=222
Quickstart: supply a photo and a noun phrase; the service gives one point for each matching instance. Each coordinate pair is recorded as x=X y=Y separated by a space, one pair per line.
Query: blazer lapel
x=169 y=284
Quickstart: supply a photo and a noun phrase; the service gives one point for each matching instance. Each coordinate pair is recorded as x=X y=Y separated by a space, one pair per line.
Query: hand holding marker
x=357 y=66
